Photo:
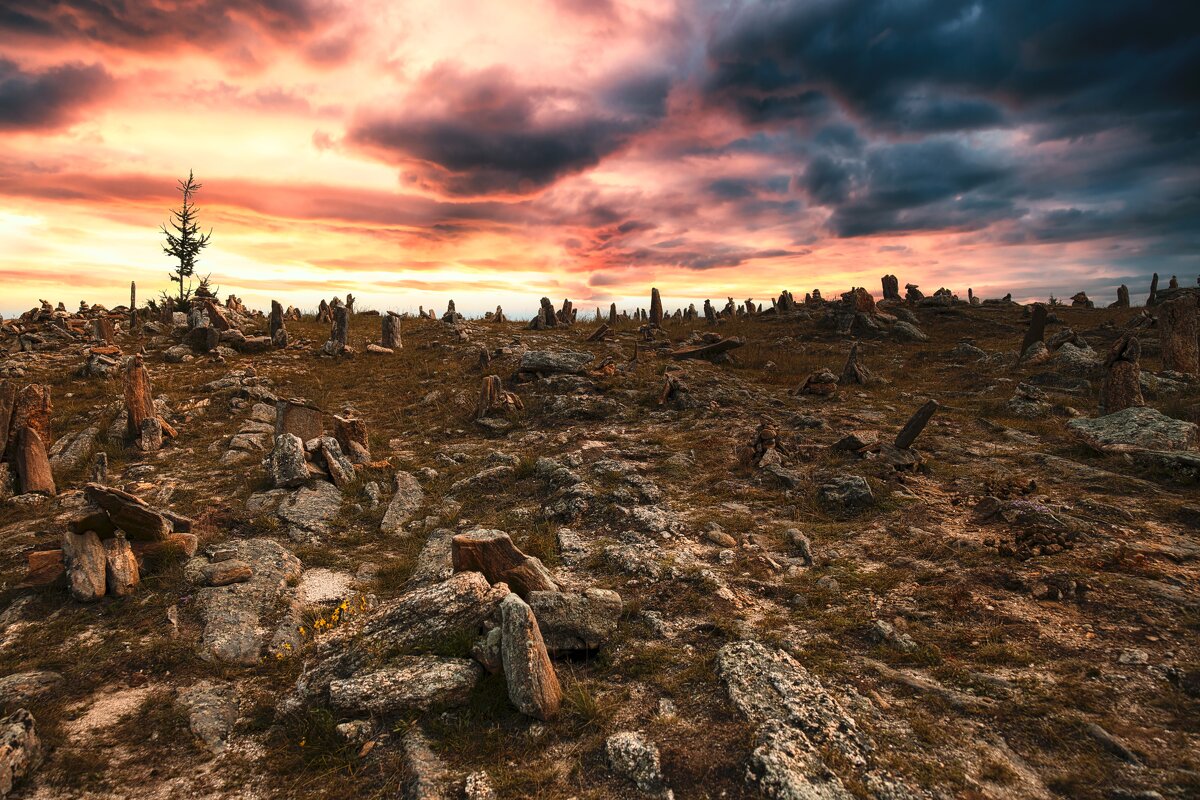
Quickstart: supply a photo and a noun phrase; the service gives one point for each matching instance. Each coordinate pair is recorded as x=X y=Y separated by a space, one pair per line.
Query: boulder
x=493 y=553
x=576 y=622
x=33 y=464
x=632 y=757
x=407 y=498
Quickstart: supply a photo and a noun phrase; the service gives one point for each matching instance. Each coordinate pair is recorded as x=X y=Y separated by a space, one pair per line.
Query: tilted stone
x=86 y=565
x=408 y=683
x=129 y=513
x=494 y=554
x=533 y=685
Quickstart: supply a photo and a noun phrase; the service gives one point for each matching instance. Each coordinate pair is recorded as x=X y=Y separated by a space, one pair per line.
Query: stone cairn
x=338 y=342
x=494 y=399
x=1121 y=387
x=279 y=334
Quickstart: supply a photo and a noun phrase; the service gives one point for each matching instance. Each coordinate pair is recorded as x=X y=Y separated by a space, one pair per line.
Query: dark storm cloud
x=48 y=99
x=952 y=65
x=881 y=102
x=155 y=26
x=481 y=133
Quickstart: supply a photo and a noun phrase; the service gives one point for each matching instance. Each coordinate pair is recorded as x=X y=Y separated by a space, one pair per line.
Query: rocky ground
x=721 y=576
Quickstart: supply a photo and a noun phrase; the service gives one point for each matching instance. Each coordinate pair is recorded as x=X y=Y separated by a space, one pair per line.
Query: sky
x=496 y=152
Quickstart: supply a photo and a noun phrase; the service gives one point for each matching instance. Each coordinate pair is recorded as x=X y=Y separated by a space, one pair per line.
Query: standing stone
x=656 y=308
x=139 y=396
x=279 y=335
x=1121 y=387
x=151 y=439
x=391 y=331
x=286 y=466
x=1037 y=327
x=912 y=429
x=891 y=288
x=299 y=418
x=1153 y=298
x=33 y=464
x=1122 y=297
x=340 y=333
x=100 y=468
x=854 y=371
x=86 y=564
x=612 y=313
x=133 y=315
x=30 y=409
x=710 y=313
x=1177 y=334
x=121 y=569
x=8 y=402
x=532 y=684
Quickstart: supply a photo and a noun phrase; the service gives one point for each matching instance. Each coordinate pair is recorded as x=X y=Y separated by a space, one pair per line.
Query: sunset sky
x=495 y=152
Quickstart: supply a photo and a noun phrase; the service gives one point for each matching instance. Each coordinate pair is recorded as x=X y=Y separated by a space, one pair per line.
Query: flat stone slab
x=1137 y=428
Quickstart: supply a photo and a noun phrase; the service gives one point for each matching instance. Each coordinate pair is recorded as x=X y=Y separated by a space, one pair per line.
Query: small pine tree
x=186 y=242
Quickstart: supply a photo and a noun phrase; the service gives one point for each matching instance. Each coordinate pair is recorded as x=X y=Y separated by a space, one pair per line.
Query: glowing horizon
x=495 y=155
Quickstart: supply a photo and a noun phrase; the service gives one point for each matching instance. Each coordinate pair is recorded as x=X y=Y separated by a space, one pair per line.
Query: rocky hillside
x=824 y=549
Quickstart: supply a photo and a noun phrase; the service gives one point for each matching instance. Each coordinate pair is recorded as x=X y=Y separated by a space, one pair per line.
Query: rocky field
x=820 y=549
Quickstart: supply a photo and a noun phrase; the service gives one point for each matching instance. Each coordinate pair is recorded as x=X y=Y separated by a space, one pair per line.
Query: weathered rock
x=129 y=513
x=1122 y=387
x=32 y=463
x=151 y=438
x=408 y=683
x=286 y=466
x=309 y=511
x=802 y=731
x=212 y=710
x=299 y=418
x=72 y=450
x=20 y=749
x=1177 y=325
x=121 y=566
x=632 y=757
x=656 y=308
x=234 y=616
x=407 y=498
x=351 y=435
x=1136 y=428
x=22 y=687
x=847 y=493
x=493 y=553
x=907 y=332
x=1036 y=331
x=85 y=561
x=912 y=429
x=532 y=683
x=31 y=408
x=422 y=618
x=391 y=332
x=225 y=572
x=551 y=362
x=576 y=622
x=340 y=469
x=891 y=288
x=139 y=396
x=429 y=777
